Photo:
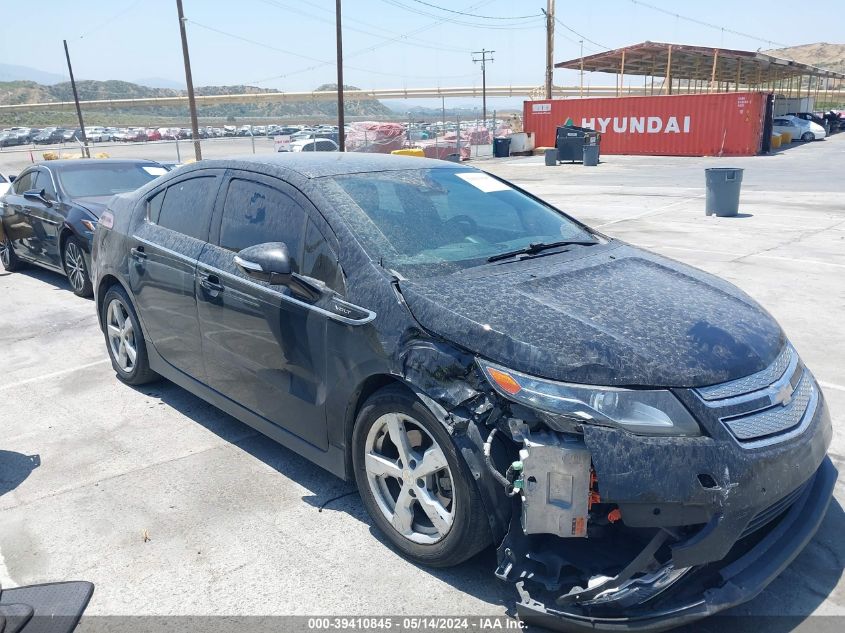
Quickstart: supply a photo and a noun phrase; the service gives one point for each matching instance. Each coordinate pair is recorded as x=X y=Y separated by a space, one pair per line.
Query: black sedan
x=49 y=214
x=49 y=136
x=638 y=438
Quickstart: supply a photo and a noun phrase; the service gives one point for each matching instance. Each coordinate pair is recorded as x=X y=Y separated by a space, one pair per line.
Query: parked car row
x=487 y=369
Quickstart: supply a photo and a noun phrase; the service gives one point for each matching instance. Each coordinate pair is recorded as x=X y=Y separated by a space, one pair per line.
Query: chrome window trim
x=370 y=315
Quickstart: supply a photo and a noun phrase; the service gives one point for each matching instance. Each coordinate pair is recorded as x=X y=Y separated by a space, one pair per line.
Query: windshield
x=430 y=221
x=102 y=179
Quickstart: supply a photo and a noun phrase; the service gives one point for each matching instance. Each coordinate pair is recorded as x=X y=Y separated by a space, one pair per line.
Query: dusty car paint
x=612 y=315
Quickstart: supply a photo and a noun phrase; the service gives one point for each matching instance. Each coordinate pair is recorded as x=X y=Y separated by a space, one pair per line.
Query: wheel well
x=366 y=389
x=105 y=283
x=66 y=232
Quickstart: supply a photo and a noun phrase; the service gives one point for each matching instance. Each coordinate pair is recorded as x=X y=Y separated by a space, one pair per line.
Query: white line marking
x=55 y=374
x=830 y=385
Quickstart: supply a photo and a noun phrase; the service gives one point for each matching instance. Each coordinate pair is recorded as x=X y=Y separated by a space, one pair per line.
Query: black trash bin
x=501 y=147
x=570 y=141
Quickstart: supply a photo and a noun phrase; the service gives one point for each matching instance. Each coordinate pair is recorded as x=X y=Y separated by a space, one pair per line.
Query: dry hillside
x=821 y=54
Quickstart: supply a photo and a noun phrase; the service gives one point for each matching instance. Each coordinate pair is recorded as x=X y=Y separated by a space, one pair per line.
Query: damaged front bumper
x=720 y=586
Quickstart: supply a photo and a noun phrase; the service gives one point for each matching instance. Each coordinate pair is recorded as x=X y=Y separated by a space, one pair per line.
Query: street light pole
x=84 y=138
x=189 y=82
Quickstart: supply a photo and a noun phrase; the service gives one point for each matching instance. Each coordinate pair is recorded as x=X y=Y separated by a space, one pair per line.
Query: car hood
x=616 y=316
x=94 y=204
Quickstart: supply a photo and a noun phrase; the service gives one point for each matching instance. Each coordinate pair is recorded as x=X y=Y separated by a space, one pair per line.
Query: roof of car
x=61 y=162
x=320 y=164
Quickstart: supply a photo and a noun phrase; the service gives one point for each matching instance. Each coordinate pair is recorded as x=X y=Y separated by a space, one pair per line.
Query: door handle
x=211 y=283
x=138 y=253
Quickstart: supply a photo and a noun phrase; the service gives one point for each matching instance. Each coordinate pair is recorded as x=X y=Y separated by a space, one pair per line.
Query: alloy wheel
x=5 y=253
x=121 y=336
x=409 y=478
x=75 y=266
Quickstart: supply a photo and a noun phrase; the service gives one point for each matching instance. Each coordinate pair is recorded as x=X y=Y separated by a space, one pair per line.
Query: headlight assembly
x=640 y=411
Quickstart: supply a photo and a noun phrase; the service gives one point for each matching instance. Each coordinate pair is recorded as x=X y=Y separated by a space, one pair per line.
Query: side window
x=255 y=213
x=24 y=182
x=319 y=261
x=154 y=206
x=45 y=182
x=188 y=205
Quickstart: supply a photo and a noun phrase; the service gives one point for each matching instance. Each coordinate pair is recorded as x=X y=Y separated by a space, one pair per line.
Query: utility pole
x=192 y=104
x=550 y=45
x=483 y=59
x=341 y=124
x=581 y=89
x=76 y=101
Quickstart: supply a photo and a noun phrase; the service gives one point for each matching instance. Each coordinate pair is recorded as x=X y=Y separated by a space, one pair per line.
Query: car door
x=162 y=266
x=17 y=222
x=263 y=348
x=46 y=217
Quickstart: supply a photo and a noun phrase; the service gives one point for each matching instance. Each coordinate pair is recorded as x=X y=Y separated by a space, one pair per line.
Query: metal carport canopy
x=681 y=61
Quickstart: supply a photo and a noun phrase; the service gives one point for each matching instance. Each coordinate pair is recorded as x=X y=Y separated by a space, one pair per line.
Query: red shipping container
x=721 y=124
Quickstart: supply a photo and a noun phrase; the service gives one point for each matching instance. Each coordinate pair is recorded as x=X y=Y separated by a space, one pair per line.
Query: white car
x=97 y=134
x=313 y=145
x=798 y=128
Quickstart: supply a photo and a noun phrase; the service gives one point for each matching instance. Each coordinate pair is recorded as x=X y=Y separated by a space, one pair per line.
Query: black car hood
x=95 y=204
x=606 y=315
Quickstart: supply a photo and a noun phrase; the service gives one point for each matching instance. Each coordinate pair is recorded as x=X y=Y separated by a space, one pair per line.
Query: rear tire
x=808 y=136
x=421 y=495
x=76 y=269
x=125 y=339
x=10 y=261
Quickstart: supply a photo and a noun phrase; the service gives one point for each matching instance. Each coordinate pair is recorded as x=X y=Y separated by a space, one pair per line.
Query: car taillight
x=107 y=219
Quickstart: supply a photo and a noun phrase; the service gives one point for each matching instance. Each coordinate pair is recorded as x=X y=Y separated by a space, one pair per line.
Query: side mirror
x=39 y=195
x=270 y=262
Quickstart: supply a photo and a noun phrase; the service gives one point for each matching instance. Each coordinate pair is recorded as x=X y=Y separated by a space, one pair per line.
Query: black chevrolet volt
x=638 y=439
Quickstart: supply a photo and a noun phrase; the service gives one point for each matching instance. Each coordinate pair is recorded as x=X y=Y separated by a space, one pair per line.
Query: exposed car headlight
x=88 y=224
x=640 y=411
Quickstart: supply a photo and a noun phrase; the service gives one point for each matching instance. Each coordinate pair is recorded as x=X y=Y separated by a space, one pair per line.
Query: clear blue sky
x=134 y=39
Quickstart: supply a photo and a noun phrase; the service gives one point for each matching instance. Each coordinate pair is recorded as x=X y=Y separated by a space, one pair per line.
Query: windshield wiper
x=538 y=247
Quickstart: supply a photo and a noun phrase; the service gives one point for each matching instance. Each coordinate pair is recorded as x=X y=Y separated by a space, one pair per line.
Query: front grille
x=775 y=419
x=754 y=382
x=767 y=407
x=767 y=515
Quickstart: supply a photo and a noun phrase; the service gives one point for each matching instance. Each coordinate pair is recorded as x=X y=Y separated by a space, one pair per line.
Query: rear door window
x=44 y=181
x=187 y=206
x=255 y=213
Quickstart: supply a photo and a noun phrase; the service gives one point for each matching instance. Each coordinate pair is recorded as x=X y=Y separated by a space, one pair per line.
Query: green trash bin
x=723 y=185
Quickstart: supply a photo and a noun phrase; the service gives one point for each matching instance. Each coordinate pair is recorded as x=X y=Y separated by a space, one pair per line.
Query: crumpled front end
x=612 y=530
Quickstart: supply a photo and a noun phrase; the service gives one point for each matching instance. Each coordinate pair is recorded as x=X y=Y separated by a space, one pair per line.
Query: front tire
x=10 y=261
x=808 y=136
x=414 y=484
x=76 y=269
x=125 y=339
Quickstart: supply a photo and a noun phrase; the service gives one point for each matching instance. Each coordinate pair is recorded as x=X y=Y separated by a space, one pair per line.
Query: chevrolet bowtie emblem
x=783 y=396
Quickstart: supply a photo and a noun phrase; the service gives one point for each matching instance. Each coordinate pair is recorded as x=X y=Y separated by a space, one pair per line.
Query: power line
x=279 y=5
x=321 y=62
x=517 y=25
x=581 y=35
x=362 y=51
x=707 y=24
x=112 y=18
x=475 y=15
